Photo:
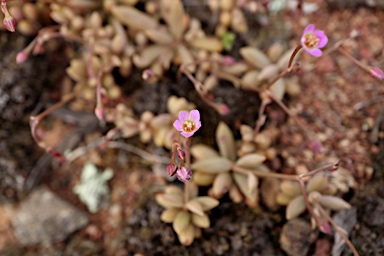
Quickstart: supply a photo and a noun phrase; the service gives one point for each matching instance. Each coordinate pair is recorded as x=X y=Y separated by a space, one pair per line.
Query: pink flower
x=188 y=123
x=377 y=73
x=312 y=40
x=184 y=174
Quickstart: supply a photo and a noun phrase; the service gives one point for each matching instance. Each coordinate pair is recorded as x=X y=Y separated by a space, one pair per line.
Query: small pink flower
x=188 y=123
x=184 y=174
x=377 y=73
x=312 y=40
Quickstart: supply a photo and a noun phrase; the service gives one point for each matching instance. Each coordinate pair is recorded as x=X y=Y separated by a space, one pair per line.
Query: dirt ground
x=338 y=100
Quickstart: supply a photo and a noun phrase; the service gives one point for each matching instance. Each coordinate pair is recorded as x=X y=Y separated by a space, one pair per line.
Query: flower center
x=188 y=126
x=311 y=40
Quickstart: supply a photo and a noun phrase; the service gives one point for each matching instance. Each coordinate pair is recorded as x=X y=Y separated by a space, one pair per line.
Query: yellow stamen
x=311 y=40
x=188 y=126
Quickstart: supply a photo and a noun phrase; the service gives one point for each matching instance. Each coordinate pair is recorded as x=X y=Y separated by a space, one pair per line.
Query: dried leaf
x=172 y=12
x=213 y=165
x=242 y=183
x=290 y=188
x=269 y=190
x=206 y=202
x=186 y=58
x=181 y=221
x=334 y=203
x=133 y=18
x=250 y=161
x=172 y=189
x=187 y=235
x=148 y=55
x=77 y=69
x=295 y=207
x=207 y=43
x=195 y=207
x=255 y=57
x=235 y=194
x=283 y=199
x=170 y=200
x=250 y=80
x=159 y=35
x=169 y=215
x=201 y=151
x=236 y=69
x=317 y=183
x=221 y=184
x=202 y=221
x=238 y=21
x=278 y=89
x=252 y=182
x=268 y=73
x=225 y=141
x=203 y=179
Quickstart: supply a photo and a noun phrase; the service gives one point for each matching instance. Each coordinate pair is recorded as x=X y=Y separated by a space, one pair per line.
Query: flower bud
x=100 y=113
x=171 y=169
x=377 y=73
x=181 y=154
x=325 y=228
x=184 y=174
x=9 y=23
x=21 y=57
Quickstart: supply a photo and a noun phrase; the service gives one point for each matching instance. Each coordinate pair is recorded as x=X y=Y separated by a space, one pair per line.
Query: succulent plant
x=223 y=172
x=187 y=215
x=319 y=190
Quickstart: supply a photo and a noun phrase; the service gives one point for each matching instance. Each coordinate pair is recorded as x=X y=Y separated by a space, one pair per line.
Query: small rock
x=296 y=237
x=44 y=217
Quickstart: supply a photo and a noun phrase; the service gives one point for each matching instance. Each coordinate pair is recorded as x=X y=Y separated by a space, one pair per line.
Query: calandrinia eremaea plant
x=223 y=173
x=120 y=36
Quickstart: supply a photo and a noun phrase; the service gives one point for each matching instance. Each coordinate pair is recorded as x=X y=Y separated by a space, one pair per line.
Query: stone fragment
x=44 y=218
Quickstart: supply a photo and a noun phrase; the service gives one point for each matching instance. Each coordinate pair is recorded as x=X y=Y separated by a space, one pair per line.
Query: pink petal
x=194 y=115
x=309 y=28
x=314 y=52
x=182 y=116
x=323 y=39
x=187 y=134
x=198 y=125
x=177 y=125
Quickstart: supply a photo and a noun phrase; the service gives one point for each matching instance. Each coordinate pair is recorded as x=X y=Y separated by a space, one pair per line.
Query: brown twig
x=338 y=229
x=34 y=122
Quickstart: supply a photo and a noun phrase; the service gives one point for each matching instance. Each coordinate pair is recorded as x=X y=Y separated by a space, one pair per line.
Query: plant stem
x=34 y=122
x=301 y=125
x=242 y=170
x=355 y=61
x=187 y=144
x=338 y=230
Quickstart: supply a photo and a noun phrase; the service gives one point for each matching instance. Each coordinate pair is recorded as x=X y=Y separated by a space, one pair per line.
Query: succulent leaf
x=225 y=141
x=206 y=202
x=213 y=165
x=295 y=207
